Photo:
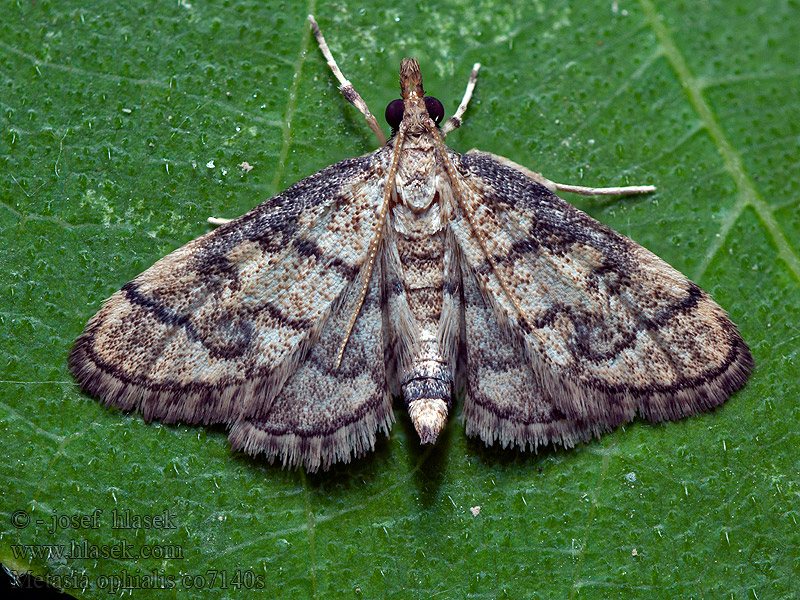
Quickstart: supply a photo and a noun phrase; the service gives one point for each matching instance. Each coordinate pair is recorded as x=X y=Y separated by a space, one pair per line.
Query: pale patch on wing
x=505 y=402
x=323 y=415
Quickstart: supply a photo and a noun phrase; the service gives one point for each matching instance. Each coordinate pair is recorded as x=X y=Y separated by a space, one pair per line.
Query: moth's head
x=415 y=108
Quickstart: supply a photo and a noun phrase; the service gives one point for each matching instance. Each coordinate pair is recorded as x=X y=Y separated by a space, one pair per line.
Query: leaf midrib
x=747 y=194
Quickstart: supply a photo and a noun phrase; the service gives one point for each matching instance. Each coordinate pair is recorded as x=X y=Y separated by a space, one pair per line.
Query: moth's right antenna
x=454 y=122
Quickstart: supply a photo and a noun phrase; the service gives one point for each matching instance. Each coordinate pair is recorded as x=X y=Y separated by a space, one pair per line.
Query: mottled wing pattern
x=323 y=414
x=505 y=400
x=211 y=332
x=572 y=328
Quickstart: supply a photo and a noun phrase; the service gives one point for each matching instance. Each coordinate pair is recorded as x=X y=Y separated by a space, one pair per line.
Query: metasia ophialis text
x=296 y=323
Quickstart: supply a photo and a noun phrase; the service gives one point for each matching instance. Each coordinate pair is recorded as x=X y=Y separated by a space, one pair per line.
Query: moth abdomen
x=427 y=391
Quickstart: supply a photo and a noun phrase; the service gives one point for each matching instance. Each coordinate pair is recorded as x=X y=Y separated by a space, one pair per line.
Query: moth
x=411 y=271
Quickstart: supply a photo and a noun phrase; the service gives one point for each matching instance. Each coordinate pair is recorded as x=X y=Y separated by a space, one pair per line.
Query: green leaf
x=124 y=126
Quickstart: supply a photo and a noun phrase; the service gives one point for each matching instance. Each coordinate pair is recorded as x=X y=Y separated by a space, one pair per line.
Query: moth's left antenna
x=347 y=89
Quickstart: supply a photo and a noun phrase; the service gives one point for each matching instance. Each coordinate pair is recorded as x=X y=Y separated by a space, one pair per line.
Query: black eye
x=435 y=109
x=394 y=113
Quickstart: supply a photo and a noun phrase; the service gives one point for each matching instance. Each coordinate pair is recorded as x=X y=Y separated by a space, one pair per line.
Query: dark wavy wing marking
x=324 y=415
x=218 y=325
x=608 y=328
x=505 y=401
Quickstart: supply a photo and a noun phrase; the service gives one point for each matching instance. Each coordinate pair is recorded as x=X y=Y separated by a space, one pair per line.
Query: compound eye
x=435 y=109
x=394 y=113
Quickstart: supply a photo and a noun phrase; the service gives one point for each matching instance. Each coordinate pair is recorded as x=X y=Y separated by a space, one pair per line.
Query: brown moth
x=296 y=323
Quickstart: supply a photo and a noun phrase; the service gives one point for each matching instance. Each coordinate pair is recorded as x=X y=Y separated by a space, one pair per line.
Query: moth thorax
x=427 y=390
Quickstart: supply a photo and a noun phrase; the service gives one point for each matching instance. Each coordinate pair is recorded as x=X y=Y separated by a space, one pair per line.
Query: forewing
x=609 y=329
x=216 y=327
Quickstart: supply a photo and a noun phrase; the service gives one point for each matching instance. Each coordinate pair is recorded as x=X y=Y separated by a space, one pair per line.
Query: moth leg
x=217 y=220
x=575 y=189
x=347 y=89
x=454 y=122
